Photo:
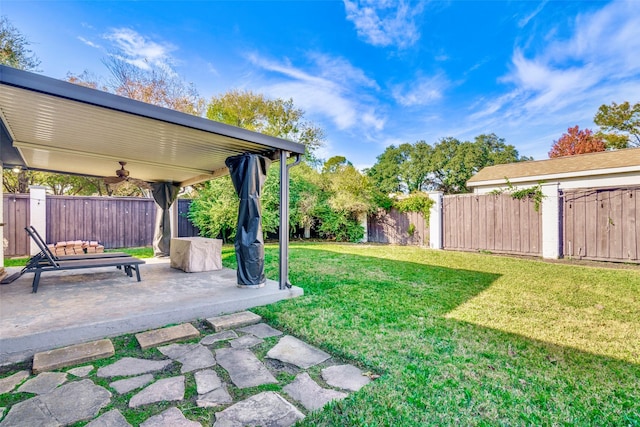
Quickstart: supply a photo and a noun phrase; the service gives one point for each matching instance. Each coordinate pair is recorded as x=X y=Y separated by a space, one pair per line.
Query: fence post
x=1 y=217
x=435 y=220
x=550 y=221
x=37 y=213
x=363 y=222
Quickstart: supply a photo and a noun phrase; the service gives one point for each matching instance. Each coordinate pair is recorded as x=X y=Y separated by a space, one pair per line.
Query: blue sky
x=370 y=73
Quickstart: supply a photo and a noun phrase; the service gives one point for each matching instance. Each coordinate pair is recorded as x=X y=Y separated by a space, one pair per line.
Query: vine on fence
x=534 y=193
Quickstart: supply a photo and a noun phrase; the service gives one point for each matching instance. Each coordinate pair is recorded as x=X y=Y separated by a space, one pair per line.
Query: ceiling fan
x=122 y=175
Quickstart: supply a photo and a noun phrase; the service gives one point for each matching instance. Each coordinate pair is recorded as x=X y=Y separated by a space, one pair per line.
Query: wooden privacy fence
x=116 y=222
x=496 y=223
x=16 y=218
x=402 y=228
x=602 y=224
x=185 y=227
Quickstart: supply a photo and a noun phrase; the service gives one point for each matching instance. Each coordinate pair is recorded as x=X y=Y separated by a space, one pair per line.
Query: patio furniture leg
x=137 y=268
x=36 y=280
x=127 y=269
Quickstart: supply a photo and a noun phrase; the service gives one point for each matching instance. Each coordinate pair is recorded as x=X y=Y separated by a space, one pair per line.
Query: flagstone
x=43 y=383
x=244 y=368
x=129 y=366
x=218 y=336
x=246 y=341
x=291 y=350
x=207 y=380
x=217 y=397
x=68 y=404
x=128 y=384
x=306 y=391
x=172 y=417
x=167 y=389
x=9 y=383
x=264 y=409
x=81 y=371
x=113 y=418
x=191 y=356
x=261 y=330
x=346 y=377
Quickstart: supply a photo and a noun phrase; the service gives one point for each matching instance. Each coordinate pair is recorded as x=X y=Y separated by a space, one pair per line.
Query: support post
x=1 y=218
x=435 y=220
x=38 y=214
x=284 y=221
x=174 y=219
x=284 y=218
x=550 y=221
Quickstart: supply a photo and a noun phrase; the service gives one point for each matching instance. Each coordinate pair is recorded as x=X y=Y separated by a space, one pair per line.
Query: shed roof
x=561 y=167
x=54 y=125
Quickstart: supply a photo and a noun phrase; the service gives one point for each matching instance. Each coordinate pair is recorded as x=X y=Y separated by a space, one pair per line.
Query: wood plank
x=589 y=223
x=631 y=219
x=616 y=225
x=603 y=227
x=482 y=222
x=491 y=223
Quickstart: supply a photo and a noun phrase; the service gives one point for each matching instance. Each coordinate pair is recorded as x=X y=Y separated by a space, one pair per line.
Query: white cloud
x=141 y=51
x=89 y=43
x=564 y=82
x=421 y=91
x=334 y=89
x=524 y=21
x=385 y=22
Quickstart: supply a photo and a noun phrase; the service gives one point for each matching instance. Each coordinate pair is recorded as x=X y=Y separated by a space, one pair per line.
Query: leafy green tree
x=446 y=166
x=619 y=124
x=215 y=209
x=386 y=173
x=350 y=196
x=275 y=117
x=14 y=48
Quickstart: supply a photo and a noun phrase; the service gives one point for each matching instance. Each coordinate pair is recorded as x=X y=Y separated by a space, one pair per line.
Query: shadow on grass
x=389 y=316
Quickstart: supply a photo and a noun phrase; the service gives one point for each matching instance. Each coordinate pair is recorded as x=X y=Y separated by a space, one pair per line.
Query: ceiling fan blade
x=111 y=180
x=140 y=183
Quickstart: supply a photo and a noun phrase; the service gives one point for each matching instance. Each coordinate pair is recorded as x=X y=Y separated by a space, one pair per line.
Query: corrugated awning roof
x=592 y=163
x=59 y=126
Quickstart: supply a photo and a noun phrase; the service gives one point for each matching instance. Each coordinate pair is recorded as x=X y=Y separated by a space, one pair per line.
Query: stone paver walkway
x=221 y=365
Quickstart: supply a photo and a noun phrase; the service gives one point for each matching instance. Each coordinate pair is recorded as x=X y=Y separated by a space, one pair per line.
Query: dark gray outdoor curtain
x=248 y=173
x=164 y=193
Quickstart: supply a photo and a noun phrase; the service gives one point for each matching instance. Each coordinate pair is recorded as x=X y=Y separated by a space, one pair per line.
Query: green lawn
x=460 y=338
x=467 y=339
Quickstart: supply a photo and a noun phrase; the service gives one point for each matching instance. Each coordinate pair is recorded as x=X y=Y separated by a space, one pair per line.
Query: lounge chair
x=46 y=261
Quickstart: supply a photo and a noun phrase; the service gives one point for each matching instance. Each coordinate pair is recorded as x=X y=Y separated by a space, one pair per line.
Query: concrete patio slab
x=73 y=307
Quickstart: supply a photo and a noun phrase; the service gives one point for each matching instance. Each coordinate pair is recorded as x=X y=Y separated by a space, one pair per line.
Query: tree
x=14 y=48
x=215 y=209
x=619 y=124
x=445 y=167
x=576 y=141
x=386 y=172
x=275 y=117
x=154 y=86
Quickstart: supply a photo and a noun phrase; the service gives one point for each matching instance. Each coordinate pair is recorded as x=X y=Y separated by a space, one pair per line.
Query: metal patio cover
x=54 y=125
